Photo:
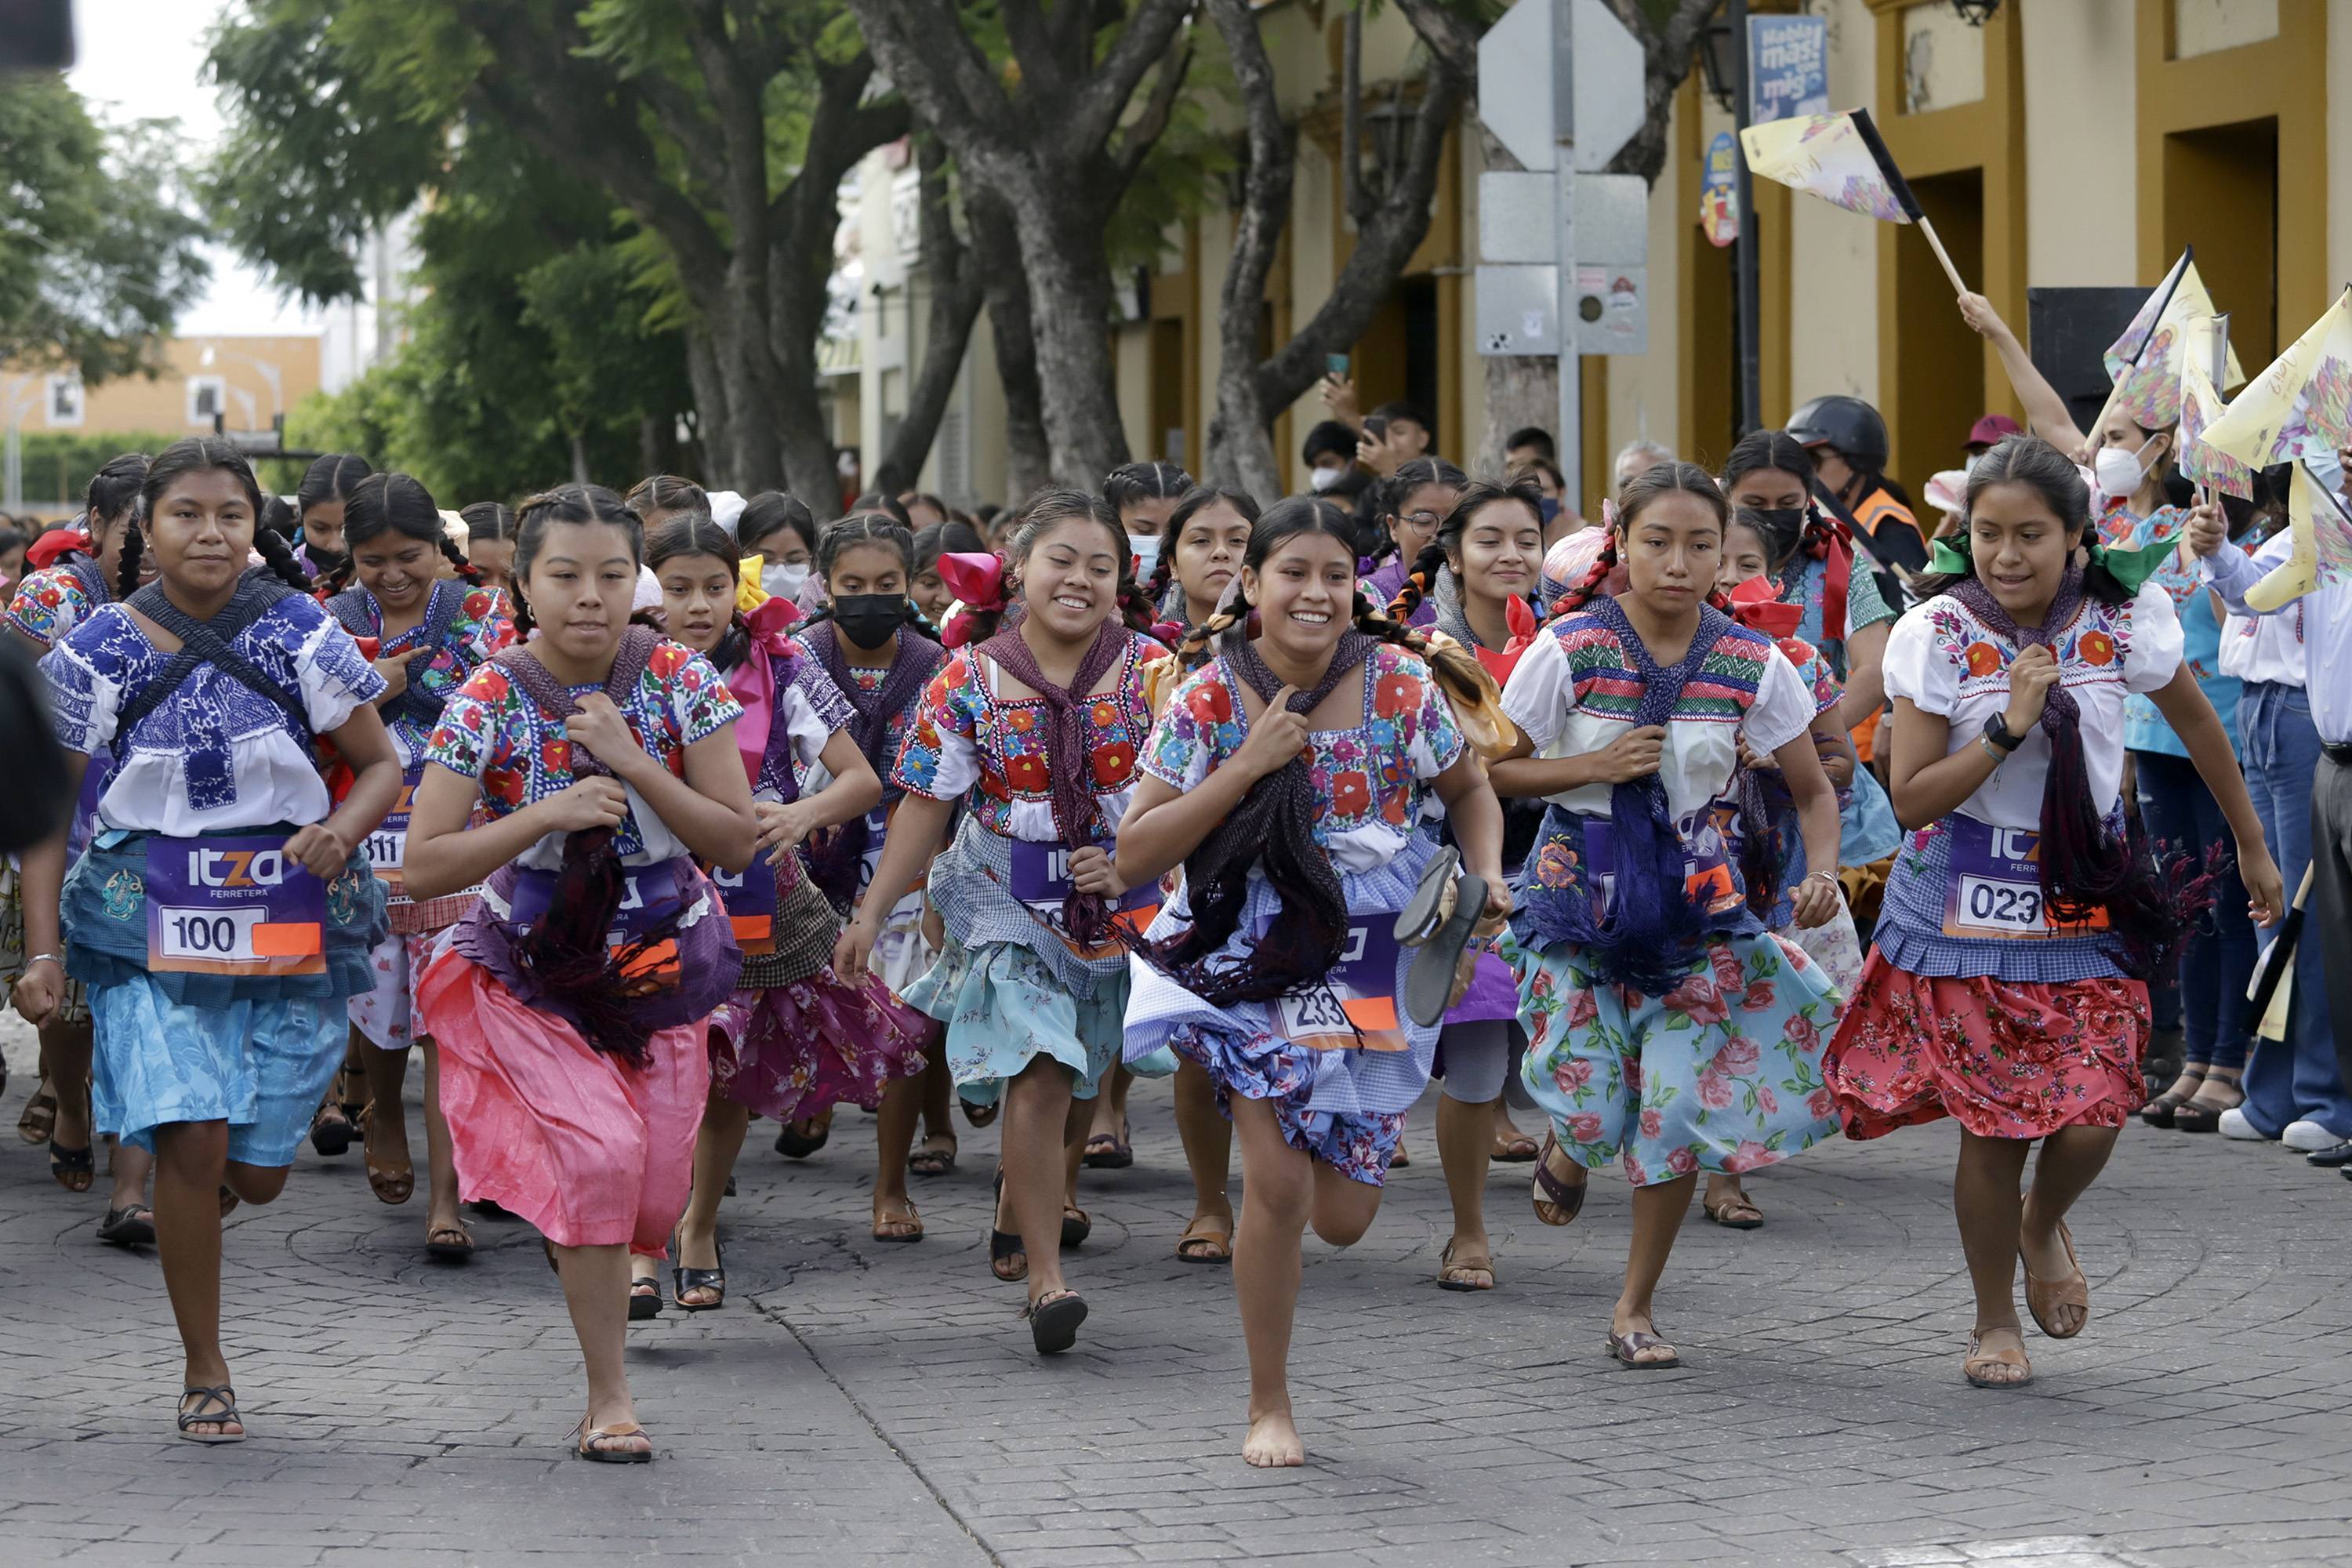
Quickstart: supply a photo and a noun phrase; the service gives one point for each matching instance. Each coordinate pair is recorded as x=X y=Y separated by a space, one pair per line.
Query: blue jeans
x=2298 y=1078
x=2217 y=963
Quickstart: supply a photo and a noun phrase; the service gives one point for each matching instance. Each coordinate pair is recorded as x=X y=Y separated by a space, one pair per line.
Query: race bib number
x=1995 y=886
x=1354 y=1008
x=1708 y=882
x=649 y=894
x=877 y=824
x=232 y=906
x=386 y=849
x=750 y=895
x=1041 y=880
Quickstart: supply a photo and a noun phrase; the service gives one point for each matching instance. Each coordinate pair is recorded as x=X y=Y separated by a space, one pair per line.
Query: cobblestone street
x=862 y=1403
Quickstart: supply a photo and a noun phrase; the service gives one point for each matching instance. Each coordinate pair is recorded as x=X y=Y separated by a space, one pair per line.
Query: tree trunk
x=1241 y=434
x=1070 y=312
x=995 y=246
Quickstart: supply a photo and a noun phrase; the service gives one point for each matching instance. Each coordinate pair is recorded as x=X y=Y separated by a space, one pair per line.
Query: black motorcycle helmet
x=1847 y=424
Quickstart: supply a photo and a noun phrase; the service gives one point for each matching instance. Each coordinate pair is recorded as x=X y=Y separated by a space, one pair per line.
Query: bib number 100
x=210 y=933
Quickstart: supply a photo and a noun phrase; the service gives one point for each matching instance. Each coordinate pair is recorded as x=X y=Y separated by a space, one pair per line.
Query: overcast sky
x=141 y=59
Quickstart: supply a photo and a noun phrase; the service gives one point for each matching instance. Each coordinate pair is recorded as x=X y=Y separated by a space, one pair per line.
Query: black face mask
x=869 y=619
x=1784 y=526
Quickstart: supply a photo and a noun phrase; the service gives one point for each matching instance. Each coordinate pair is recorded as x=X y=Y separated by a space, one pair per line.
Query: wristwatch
x=1996 y=732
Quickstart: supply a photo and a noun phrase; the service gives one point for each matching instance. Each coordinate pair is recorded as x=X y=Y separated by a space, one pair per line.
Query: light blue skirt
x=1005 y=1008
x=260 y=1065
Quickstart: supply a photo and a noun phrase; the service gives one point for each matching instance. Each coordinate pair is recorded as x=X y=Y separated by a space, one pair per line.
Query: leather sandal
x=391 y=1183
x=2043 y=1296
x=1551 y=1187
x=1626 y=1348
x=1436 y=977
x=1054 y=1320
x=134 y=1225
x=1450 y=1271
x=448 y=1243
x=1977 y=1360
x=683 y=1280
x=590 y=1440
x=644 y=1298
x=40 y=1117
x=798 y=1140
x=2162 y=1110
x=1077 y=1225
x=1004 y=1246
x=2203 y=1115
x=75 y=1169
x=331 y=1130
x=1726 y=1212
x=906 y=1226
x=1208 y=1239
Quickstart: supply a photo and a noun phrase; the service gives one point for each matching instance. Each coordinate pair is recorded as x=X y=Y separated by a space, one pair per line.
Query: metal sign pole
x=1746 y=260
x=1569 y=443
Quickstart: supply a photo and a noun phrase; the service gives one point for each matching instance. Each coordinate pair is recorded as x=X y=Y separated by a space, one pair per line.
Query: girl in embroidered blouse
x=214 y=1063
x=1035 y=729
x=1208 y=535
x=1486 y=555
x=572 y=1005
x=880 y=657
x=793 y=1037
x=430 y=634
x=1663 y=1021
x=2007 y=986
x=45 y=606
x=1288 y=776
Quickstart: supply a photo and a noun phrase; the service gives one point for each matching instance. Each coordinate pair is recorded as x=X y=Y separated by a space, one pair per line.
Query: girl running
x=794 y=1036
x=1035 y=729
x=489 y=542
x=880 y=658
x=572 y=1005
x=1663 y=1021
x=46 y=606
x=1287 y=776
x=319 y=503
x=2008 y=985
x=428 y=634
x=222 y=915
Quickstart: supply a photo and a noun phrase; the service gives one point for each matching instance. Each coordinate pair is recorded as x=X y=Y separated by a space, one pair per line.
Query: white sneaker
x=2308 y=1136
x=2235 y=1125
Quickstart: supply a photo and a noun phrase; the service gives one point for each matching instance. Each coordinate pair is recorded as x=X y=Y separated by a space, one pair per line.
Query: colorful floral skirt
x=794 y=1051
x=260 y=1065
x=1835 y=945
x=1723 y=1074
x=1005 y=1008
x=2005 y=1058
x=592 y=1150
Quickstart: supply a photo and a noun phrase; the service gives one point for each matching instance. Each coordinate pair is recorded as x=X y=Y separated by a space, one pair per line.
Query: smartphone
x=1376 y=428
x=1336 y=366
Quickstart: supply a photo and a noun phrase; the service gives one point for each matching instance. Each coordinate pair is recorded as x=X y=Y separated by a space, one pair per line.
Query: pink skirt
x=2004 y=1058
x=798 y=1050
x=592 y=1150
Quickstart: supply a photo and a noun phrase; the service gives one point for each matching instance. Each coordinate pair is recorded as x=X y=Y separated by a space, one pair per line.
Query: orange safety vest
x=1876 y=509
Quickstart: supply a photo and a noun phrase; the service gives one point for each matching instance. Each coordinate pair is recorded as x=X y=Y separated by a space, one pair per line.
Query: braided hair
x=1131 y=484
x=698 y=534
x=1039 y=516
x=1440 y=553
x=203 y=454
x=488 y=522
x=1304 y=940
x=1197 y=500
x=330 y=477
x=876 y=528
x=572 y=503
x=658 y=496
x=113 y=498
x=395 y=503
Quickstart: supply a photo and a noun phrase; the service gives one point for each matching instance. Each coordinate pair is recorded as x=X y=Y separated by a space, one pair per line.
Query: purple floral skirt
x=796 y=1050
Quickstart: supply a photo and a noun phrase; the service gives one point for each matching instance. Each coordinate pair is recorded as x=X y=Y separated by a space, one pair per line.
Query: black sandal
x=1429 y=981
x=2165 y=1107
x=225 y=1397
x=2198 y=1115
x=1077 y=1225
x=644 y=1298
x=67 y=1165
x=928 y=1161
x=131 y=1226
x=1553 y=1188
x=979 y=1115
x=795 y=1144
x=1002 y=1246
x=683 y=1280
x=1054 y=1322
x=331 y=1130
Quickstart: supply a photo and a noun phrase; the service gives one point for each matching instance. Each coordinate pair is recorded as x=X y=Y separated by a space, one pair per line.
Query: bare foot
x=1273 y=1442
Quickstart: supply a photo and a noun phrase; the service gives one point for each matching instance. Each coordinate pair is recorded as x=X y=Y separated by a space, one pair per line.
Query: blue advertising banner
x=1788 y=67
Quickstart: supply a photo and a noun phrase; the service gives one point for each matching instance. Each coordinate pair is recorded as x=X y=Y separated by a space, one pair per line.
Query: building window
x=207 y=399
x=65 y=402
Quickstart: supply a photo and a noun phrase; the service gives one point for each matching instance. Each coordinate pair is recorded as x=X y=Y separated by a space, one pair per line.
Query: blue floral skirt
x=260 y=1065
x=1003 y=1008
x=1723 y=1074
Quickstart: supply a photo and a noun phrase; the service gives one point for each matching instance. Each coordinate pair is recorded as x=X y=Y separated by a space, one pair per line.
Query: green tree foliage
x=97 y=255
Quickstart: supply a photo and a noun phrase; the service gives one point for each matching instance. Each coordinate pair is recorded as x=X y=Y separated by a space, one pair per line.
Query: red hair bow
x=1756 y=605
x=43 y=552
x=976 y=579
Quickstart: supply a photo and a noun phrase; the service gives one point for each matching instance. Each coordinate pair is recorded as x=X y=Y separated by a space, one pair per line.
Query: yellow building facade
x=2065 y=143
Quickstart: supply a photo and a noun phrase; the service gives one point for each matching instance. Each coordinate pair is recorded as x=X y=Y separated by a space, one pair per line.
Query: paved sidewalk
x=857 y=1403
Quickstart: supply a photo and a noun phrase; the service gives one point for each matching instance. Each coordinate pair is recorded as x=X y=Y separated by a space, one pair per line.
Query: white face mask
x=1146 y=547
x=784 y=581
x=2119 y=472
x=1321 y=480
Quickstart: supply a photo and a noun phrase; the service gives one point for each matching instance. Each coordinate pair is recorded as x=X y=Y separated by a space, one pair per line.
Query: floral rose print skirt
x=1723 y=1074
x=2004 y=1058
x=792 y=1051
